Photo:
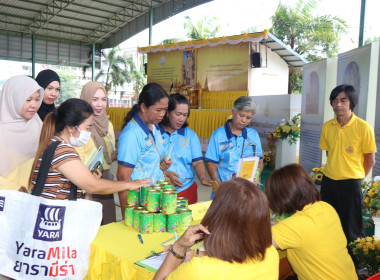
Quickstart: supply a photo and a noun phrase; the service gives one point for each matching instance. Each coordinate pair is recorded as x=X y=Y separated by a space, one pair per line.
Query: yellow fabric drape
x=220 y=99
x=116 y=248
x=203 y=122
x=117 y=116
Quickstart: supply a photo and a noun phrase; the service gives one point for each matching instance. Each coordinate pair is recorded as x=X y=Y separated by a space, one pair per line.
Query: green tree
x=208 y=27
x=137 y=74
x=116 y=70
x=70 y=85
x=312 y=36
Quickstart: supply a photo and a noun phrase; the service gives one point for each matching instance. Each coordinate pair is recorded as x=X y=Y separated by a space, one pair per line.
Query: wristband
x=175 y=254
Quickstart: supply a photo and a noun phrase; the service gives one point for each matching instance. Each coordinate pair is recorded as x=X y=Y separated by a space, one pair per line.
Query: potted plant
x=371 y=202
x=286 y=136
x=316 y=175
x=367 y=252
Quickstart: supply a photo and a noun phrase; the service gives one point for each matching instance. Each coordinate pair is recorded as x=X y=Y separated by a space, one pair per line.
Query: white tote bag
x=45 y=239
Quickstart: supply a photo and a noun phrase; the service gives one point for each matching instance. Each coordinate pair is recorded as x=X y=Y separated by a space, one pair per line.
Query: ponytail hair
x=72 y=112
x=149 y=95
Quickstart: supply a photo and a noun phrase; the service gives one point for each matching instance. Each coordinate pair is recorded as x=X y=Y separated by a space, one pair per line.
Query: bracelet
x=175 y=254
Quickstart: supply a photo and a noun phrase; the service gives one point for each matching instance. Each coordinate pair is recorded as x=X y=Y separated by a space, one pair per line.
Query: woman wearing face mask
x=102 y=134
x=71 y=126
x=50 y=82
x=185 y=149
x=141 y=153
x=20 y=129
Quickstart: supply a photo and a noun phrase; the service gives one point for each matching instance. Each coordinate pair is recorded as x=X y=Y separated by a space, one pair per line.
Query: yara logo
x=2 y=203
x=49 y=223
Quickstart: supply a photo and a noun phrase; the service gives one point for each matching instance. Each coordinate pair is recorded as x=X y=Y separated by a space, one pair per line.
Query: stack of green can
x=156 y=209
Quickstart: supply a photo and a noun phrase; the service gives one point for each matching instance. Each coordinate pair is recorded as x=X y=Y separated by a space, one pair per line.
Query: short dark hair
x=149 y=95
x=290 y=188
x=239 y=222
x=174 y=100
x=349 y=91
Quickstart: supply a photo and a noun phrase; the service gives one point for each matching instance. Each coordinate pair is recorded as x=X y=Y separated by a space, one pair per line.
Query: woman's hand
x=114 y=155
x=191 y=235
x=136 y=184
x=205 y=181
x=174 y=178
x=97 y=174
x=23 y=189
x=165 y=164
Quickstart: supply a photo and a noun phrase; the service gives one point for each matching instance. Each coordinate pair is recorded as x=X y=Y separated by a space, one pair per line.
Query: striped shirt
x=57 y=186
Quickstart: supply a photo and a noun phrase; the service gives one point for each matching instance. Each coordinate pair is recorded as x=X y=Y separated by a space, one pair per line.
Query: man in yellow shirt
x=350 y=146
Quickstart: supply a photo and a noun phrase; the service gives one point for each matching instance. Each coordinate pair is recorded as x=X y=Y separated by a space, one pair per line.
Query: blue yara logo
x=2 y=203
x=49 y=223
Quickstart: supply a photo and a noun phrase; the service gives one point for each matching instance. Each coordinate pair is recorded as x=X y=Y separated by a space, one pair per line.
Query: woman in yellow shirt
x=20 y=129
x=102 y=134
x=237 y=239
x=313 y=237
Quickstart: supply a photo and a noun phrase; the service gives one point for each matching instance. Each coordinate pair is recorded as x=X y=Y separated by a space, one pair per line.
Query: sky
x=236 y=16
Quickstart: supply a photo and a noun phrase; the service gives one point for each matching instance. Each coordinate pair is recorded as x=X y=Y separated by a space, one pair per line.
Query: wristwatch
x=175 y=254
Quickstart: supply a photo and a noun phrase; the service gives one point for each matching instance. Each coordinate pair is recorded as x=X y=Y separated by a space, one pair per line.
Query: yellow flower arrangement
x=317 y=174
x=367 y=252
x=371 y=195
x=268 y=159
x=288 y=129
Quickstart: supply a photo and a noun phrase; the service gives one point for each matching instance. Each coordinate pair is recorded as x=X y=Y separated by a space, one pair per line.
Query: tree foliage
x=137 y=74
x=70 y=85
x=116 y=70
x=208 y=27
x=310 y=35
x=313 y=36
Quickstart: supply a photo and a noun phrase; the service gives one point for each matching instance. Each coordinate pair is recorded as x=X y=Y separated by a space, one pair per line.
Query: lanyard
x=151 y=139
x=242 y=149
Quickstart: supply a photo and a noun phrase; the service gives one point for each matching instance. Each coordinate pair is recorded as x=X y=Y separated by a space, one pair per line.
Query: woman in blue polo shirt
x=140 y=148
x=232 y=142
x=183 y=147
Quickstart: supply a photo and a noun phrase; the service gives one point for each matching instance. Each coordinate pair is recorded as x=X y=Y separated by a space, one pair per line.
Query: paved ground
x=203 y=193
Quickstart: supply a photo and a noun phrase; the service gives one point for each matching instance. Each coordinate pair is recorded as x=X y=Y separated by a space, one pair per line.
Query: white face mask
x=82 y=140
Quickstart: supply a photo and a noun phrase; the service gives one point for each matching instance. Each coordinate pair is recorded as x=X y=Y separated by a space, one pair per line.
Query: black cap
x=45 y=77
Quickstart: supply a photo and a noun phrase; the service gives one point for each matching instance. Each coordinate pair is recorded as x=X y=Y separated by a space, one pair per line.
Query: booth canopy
x=292 y=58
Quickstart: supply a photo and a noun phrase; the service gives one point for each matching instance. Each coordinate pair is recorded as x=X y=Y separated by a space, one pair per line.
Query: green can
x=159 y=182
x=136 y=217
x=186 y=218
x=174 y=222
x=161 y=190
x=133 y=197
x=159 y=222
x=183 y=201
x=155 y=185
x=146 y=222
x=169 y=202
x=169 y=187
x=144 y=196
x=153 y=200
x=129 y=215
x=180 y=207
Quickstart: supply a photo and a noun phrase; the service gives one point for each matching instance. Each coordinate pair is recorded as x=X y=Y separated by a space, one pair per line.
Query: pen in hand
x=140 y=238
